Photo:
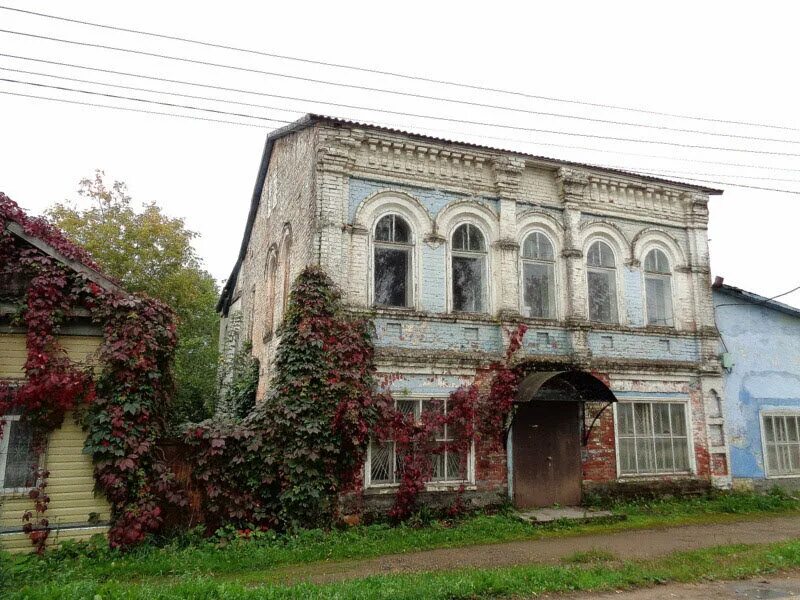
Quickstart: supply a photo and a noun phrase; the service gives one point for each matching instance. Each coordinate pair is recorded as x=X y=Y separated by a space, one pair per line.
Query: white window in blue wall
x=469 y=269
x=781 y=433
x=601 y=279
x=652 y=438
x=538 y=277
x=392 y=262
x=17 y=458
x=658 y=289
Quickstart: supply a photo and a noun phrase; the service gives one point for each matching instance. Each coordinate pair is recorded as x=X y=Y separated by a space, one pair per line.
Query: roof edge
x=753 y=299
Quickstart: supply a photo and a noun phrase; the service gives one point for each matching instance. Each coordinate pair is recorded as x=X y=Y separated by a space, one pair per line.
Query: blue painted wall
x=765 y=345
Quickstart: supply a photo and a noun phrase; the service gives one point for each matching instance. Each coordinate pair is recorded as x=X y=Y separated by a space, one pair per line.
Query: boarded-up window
x=658 y=289
x=782 y=444
x=652 y=438
x=538 y=277
x=392 y=262
x=17 y=458
x=469 y=269
x=601 y=278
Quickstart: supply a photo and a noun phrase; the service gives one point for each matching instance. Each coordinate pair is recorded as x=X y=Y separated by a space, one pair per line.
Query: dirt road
x=771 y=588
x=646 y=543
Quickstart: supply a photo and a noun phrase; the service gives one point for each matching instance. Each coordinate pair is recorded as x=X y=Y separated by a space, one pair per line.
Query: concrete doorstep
x=538 y=516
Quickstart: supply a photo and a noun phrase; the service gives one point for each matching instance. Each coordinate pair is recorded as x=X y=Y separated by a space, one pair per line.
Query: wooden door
x=546 y=454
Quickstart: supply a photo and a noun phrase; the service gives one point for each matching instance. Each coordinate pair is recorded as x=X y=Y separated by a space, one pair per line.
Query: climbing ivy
x=287 y=463
x=127 y=400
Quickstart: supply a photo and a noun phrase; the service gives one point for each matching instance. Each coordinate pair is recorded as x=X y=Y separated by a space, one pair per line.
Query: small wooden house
x=75 y=510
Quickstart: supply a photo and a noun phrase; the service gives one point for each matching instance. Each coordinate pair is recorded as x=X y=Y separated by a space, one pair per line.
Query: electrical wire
x=646 y=173
x=403 y=93
x=395 y=73
x=680 y=174
x=505 y=139
x=367 y=88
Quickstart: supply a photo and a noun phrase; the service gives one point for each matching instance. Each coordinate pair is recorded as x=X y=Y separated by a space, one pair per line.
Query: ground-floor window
x=17 y=458
x=782 y=444
x=652 y=438
x=385 y=459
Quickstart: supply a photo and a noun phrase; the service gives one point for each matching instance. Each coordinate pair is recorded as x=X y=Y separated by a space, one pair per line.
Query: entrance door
x=546 y=454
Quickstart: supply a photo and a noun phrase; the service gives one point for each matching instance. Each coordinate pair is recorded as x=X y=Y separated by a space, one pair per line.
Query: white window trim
x=4 y=420
x=430 y=486
x=618 y=278
x=487 y=269
x=672 y=283
x=415 y=253
x=774 y=412
x=556 y=274
x=689 y=438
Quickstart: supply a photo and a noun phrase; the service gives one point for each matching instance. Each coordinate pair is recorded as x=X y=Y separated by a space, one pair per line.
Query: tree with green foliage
x=150 y=252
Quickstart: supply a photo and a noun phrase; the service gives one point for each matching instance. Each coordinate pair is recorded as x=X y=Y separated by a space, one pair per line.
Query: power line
x=296 y=98
x=397 y=74
x=645 y=173
x=483 y=136
x=134 y=99
x=382 y=90
x=293 y=110
x=136 y=110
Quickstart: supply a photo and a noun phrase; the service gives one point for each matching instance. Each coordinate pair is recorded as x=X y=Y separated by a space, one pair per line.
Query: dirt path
x=645 y=543
x=786 y=585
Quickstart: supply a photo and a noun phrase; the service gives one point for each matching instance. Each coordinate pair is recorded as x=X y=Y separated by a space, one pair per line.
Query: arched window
x=658 y=288
x=392 y=263
x=538 y=277
x=469 y=269
x=286 y=251
x=272 y=272
x=601 y=278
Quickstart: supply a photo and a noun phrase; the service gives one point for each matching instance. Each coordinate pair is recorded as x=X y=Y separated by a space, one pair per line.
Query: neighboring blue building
x=762 y=387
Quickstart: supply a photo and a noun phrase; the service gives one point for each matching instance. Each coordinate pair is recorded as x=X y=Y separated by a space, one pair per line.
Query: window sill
x=15 y=493
x=652 y=476
x=449 y=486
x=789 y=476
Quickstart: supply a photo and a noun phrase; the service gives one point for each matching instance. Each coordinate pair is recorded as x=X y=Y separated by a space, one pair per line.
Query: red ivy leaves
x=125 y=402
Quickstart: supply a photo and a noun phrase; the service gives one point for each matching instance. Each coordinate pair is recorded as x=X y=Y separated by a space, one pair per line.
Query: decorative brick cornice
x=572 y=183
x=506 y=244
x=571 y=253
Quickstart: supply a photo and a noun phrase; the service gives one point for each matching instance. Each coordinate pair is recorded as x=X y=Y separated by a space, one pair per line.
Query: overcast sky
x=719 y=60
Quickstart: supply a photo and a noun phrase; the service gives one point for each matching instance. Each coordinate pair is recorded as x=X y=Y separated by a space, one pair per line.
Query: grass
x=199 y=562
x=726 y=562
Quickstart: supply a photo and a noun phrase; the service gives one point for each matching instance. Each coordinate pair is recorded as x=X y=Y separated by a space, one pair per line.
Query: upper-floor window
x=601 y=278
x=469 y=269
x=393 y=256
x=286 y=250
x=538 y=277
x=658 y=288
x=272 y=270
x=17 y=456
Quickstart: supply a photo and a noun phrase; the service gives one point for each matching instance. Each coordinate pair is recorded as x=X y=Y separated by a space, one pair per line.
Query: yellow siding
x=71 y=483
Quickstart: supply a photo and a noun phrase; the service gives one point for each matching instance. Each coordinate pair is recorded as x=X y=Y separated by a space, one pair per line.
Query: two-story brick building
x=451 y=245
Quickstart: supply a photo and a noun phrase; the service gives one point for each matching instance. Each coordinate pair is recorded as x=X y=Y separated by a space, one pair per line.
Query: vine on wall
x=126 y=401
x=287 y=462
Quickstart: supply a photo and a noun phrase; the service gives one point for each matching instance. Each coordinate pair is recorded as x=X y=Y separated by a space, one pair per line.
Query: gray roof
x=311 y=119
x=745 y=298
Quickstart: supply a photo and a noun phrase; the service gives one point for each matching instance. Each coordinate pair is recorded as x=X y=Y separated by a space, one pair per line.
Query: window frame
x=784 y=412
x=271 y=293
x=687 y=413
x=668 y=277
x=411 y=249
x=4 y=442
x=615 y=274
x=483 y=255
x=432 y=484
x=555 y=310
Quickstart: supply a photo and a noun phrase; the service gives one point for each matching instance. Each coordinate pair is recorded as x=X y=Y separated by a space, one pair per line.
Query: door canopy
x=563 y=386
